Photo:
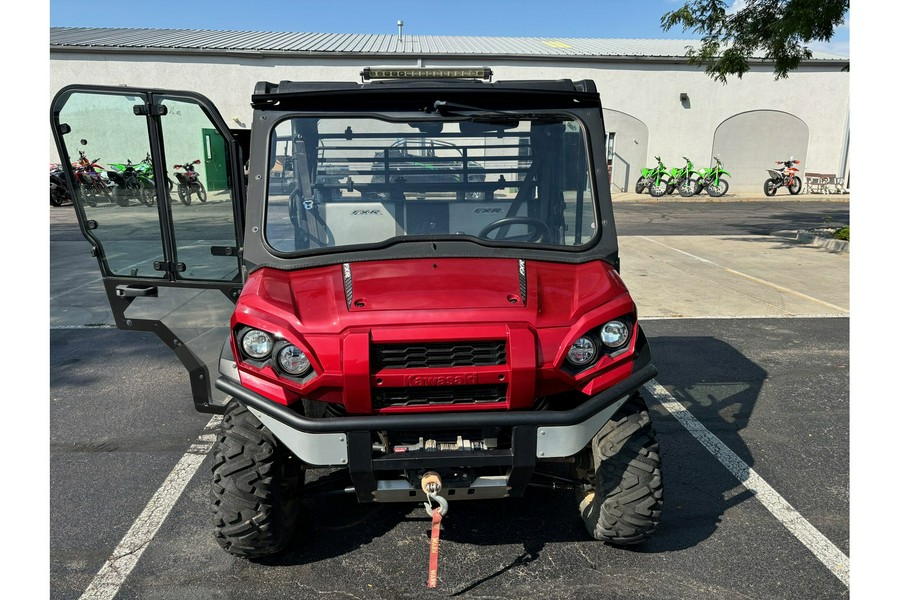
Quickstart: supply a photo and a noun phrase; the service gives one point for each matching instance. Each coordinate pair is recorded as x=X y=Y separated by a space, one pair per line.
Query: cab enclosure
x=416 y=281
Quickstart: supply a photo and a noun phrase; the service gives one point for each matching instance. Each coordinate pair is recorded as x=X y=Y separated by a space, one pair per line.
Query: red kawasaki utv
x=418 y=288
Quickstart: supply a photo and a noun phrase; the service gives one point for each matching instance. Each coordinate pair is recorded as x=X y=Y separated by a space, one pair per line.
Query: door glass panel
x=110 y=152
x=202 y=196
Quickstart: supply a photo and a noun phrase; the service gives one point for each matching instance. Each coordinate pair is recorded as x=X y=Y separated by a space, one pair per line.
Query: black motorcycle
x=59 y=192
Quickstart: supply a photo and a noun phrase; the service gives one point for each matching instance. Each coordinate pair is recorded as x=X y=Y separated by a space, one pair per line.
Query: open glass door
x=138 y=164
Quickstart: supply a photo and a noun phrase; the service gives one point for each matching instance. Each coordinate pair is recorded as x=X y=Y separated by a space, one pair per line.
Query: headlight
x=582 y=351
x=256 y=343
x=293 y=360
x=614 y=334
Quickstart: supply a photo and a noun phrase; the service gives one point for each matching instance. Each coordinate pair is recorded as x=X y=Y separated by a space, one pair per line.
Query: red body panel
x=443 y=300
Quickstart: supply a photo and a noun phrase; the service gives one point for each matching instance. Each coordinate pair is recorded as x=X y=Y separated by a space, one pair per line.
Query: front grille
x=453 y=354
x=438 y=395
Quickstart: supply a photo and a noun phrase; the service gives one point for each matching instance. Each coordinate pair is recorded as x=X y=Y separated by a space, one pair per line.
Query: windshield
x=345 y=181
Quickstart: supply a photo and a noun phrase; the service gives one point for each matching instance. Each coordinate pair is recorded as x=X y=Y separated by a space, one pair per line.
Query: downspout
x=845 y=154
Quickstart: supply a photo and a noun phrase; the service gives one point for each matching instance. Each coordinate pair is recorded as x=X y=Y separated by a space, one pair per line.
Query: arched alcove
x=748 y=143
x=629 y=148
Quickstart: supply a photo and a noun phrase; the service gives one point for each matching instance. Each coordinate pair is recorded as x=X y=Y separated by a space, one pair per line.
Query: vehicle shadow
x=719 y=387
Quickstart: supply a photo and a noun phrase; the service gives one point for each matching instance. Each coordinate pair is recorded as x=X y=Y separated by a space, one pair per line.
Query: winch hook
x=431 y=485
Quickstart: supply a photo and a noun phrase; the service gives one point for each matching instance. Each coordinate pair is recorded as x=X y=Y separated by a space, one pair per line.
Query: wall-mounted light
x=683 y=97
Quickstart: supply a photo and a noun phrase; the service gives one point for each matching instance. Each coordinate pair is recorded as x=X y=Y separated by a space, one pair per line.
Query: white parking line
x=780 y=288
x=112 y=574
x=828 y=554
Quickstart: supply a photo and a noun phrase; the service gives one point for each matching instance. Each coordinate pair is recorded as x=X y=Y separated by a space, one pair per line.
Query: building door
x=213 y=153
x=610 y=153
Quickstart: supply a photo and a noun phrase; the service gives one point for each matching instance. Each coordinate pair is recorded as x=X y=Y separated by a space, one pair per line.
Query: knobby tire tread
x=252 y=515
x=626 y=505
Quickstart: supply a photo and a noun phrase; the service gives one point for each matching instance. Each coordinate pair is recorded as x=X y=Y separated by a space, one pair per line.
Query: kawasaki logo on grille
x=428 y=380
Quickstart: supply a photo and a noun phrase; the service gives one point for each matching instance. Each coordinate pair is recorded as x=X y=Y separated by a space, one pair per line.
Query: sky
x=513 y=18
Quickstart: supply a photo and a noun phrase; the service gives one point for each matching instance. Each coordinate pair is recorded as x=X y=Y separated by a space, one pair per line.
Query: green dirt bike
x=648 y=176
x=133 y=181
x=658 y=179
x=685 y=179
x=712 y=180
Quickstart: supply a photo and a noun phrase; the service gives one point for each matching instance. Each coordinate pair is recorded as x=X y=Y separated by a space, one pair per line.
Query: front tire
x=658 y=190
x=717 y=190
x=626 y=505
x=688 y=188
x=201 y=192
x=121 y=194
x=255 y=488
x=147 y=196
x=795 y=186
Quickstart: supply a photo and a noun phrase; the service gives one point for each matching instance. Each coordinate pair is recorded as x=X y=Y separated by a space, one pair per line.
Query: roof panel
x=300 y=42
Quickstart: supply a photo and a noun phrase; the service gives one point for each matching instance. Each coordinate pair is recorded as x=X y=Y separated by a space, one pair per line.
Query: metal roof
x=269 y=42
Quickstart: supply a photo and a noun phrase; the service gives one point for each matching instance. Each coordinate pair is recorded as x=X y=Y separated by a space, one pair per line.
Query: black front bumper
x=347 y=441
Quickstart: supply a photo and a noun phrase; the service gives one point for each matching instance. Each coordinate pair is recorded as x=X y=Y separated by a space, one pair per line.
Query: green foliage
x=777 y=30
x=842 y=234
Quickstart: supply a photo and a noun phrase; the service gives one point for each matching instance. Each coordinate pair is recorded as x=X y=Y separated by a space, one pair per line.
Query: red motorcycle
x=788 y=176
x=189 y=183
x=90 y=181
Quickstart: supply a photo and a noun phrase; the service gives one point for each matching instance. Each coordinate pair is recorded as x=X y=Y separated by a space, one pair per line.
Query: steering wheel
x=539 y=229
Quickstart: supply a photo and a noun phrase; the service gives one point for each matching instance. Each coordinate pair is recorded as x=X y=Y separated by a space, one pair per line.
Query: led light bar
x=426 y=73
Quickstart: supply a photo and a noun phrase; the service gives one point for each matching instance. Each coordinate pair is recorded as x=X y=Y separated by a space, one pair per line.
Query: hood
x=432 y=291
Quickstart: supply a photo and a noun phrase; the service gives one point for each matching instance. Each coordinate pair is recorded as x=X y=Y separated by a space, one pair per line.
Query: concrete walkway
x=733 y=276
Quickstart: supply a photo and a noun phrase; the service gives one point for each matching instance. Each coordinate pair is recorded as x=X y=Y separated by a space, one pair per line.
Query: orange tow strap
x=435 y=539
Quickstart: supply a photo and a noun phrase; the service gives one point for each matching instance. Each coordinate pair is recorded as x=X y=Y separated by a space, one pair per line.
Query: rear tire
x=770 y=187
x=184 y=195
x=626 y=505
x=255 y=487
x=640 y=186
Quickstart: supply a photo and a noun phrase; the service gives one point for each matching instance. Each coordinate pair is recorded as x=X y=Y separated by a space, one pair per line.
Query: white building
x=655 y=103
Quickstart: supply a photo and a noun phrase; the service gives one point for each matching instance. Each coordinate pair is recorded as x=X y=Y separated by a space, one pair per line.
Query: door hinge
x=161 y=265
x=156 y=110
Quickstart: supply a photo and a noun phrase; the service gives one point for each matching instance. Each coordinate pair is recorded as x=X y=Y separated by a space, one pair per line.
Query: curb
x=732 y=197
x=815 y=240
